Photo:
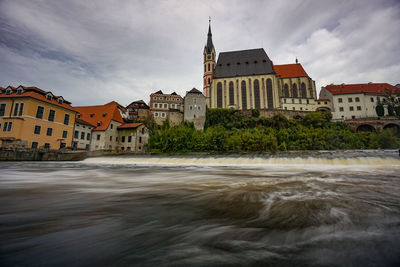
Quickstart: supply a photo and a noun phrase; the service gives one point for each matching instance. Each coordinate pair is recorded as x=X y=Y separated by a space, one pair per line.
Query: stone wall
x=269 y=113
x=38 y=155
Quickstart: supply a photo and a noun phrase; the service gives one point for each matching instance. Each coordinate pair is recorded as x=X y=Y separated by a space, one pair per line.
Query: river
x=319 y=209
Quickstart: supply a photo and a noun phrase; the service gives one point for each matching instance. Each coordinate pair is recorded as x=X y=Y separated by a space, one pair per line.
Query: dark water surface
x=334 y=209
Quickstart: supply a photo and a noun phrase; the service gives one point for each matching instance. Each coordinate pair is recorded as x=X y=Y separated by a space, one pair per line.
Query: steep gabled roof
x=290 y=71
x=141 y=102
x=371 y=88
x=36 y=93
x=194 y=91
x=243 y=63
x=209 y=46
x=102 y=113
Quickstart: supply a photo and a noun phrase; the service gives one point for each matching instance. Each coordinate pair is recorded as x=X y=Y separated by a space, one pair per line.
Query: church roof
x=243 y=63
x=209 y=46
x=290 y=71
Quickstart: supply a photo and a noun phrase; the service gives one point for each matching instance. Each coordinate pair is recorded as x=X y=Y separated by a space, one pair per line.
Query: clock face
x=208 y=57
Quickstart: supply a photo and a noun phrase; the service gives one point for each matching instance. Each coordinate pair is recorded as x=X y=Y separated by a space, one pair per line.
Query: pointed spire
x=297 y=61
x=210 y=44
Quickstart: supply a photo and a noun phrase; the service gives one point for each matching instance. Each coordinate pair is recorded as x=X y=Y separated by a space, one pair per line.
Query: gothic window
x=231 y=94
x=244 y=95
x=256 y=93
x=286 y=90
x=219 y=95
x=270 y=97
x=311 y=92
x=208 y=66
x=294 y=90
x=303 y=90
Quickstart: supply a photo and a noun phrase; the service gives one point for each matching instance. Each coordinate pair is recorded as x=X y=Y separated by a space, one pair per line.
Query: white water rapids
x=318 y=209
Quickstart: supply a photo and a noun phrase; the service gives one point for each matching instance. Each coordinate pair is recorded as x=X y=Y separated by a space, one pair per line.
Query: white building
x=195 y=108
x=82 y=134
x=355 y=101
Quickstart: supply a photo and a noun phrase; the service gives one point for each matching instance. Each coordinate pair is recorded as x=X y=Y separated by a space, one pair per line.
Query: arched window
x=270 y=97
x=208 y=80
x=256 y=94
x=311 y=93
x=303 y=90
x=219 y=95
x=294 y=90
x=231 y=94
x=286 y=90
x=244 y=95
x=208 y=66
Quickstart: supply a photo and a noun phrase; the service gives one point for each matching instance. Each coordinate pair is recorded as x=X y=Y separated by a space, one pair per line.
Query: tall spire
x=210 y=44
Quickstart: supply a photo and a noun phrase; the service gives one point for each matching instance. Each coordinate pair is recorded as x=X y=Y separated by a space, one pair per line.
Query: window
x=129 y=139
x=2 y=109
x=49 y=97
x=112 y=125
x=91 y=115
x=341 y=109
x=294 y=90
x=350 y=99
x=37 y=129
x=244 y=95
x=190 y=107
x=156 y=114
x=301 y=108
x=49 y=132
x=110 y=138
x=19 y=91
x=286 y=90
x=76 y=134
x=140 y=139
x=357 y=99
x=270 y=97
x=358 y=107
x=165 y=105
x=372 y=99
x=82 y=136
x=52 y=115
x=195 y=100
x=257 y=103
x=88 y=136
x=303 y=91
x=123 y=139
x=9 y=126
x=8 y=91
x=326 y=102
x=351 y=108
x=62 y=145
x=60 y=101
x=293 y=108
x=47 y=145
x=5 y=127
x=34 y=144
x=292 y=100
x=198 y=108
x=284 y=100
x=142 y=130
x=39 y=112
x=66 y=119
x=300 y=101
x=64 y=134
x=16 y=109
x=21 y=109
x=308 y=101
x=163 y=114
x=219 y=95
x=155 y=105
x=340 y=100
x=231 y=94
x=98 y=137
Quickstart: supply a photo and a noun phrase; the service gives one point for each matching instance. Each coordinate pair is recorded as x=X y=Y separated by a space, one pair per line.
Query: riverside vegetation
x=228 y=131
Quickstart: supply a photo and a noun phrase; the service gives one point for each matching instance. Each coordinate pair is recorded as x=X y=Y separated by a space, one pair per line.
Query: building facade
x=82 y=134
x=355 y=101
x=166 y=107
x=133 y=137
x=106 y=119
x=195 y=108
x=37 y=118
x=138 y=111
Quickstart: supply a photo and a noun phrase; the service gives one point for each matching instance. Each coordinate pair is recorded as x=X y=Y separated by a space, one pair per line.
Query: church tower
x=209 y=64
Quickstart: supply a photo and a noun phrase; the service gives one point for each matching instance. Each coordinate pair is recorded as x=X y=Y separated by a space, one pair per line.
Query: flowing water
x=321 y=209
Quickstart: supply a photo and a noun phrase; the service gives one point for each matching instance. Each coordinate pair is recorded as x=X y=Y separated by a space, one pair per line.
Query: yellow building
x=35 y=118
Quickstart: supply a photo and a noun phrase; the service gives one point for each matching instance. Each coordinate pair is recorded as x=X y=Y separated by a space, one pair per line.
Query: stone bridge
x=373 y=124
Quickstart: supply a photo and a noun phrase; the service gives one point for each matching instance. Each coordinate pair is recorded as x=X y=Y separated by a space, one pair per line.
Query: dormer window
x=8 y=91
x=19 y=91
x=98 y=123
x=60 y=101
x=104 y=114
x=49 y=97
x=91 y=115
x=79 y=115
x=255 y=61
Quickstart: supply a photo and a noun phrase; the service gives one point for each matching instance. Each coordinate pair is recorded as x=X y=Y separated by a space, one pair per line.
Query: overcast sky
x=93 y=52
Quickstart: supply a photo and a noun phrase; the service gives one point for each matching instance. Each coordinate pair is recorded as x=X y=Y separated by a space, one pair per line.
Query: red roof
x=290 y=70
x=129 y=125
x=102 y=114
x=374 y=88
x=80 y=121
x=36 y=93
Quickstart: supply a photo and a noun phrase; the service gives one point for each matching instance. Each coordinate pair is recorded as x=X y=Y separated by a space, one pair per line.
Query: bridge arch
x=365 y=128
x=393 y=126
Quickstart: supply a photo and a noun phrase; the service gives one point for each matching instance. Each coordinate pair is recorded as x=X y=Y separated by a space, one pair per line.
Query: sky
x=94 y=52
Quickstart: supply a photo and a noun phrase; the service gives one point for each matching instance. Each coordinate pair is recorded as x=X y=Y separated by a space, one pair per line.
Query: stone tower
x=209 y=64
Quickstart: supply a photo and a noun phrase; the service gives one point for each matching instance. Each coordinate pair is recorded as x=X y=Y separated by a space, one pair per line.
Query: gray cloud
x=92 y=52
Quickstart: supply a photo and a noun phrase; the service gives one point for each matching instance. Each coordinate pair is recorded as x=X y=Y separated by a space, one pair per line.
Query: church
x=248 y=79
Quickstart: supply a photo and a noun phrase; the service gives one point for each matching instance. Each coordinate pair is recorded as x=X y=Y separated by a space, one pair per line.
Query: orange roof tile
x=375 y=88
x=80 y=121
x=290 y=70
x=129 y=125
x=101 y=113
x=38 y=94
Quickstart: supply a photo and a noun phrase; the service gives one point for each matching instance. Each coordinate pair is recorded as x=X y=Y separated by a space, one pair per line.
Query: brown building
x=138 y=110
x=166 y=107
